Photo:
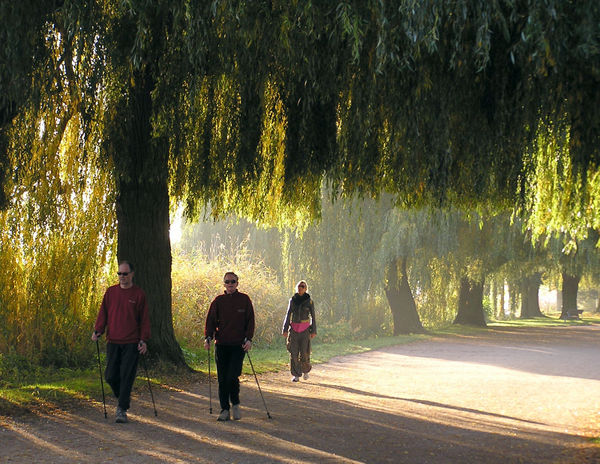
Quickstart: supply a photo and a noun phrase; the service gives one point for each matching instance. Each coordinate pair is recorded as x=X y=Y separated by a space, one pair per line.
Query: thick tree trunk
x=400 y=298
x=143 y=220
x=530 y=303
x=570 y=286
x=470 y=303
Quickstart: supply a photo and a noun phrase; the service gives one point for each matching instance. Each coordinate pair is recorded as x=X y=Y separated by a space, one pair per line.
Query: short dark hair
x=129 y=263
x=229 y=273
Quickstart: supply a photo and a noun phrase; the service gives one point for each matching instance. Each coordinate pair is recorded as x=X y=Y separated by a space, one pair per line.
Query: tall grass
x=197 y=280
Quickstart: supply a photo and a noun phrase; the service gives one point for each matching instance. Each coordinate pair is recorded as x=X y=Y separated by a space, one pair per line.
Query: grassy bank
x=25 y=388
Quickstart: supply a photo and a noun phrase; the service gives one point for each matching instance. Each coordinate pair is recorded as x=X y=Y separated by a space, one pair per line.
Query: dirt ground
x=508 y=396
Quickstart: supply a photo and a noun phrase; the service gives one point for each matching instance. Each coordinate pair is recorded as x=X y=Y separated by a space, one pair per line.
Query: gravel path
x=507 y=396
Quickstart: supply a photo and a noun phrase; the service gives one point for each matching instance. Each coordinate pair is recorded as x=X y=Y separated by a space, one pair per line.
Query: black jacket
x=300 y=309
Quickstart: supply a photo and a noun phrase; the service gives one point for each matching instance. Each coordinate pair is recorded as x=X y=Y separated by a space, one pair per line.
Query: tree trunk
x=470 y=303
x=494 y=297
x=143 y=219
x=530 y=303
x=400 y=298
x=512 y=299
x=6 y=115
x=501 y=315
x=570 y=286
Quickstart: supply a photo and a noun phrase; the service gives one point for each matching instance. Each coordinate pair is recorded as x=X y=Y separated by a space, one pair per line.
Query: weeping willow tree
x=56 y=221
x=249 y=107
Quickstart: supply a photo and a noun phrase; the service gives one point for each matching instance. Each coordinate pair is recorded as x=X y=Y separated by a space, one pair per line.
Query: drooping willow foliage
x=55 y=240
x=251 y=106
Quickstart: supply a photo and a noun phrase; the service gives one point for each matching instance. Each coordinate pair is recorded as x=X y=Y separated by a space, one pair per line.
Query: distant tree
x=530 y=303
x=400 y=298
x=575 y=259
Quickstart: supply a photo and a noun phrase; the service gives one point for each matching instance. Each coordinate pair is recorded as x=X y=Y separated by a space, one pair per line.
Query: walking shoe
x=224 y=416
x=295 y=379
x=121 y=416
x=305 y=376
x=237 y=415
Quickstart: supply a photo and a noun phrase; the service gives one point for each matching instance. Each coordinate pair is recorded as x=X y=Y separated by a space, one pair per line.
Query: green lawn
x=25 y=388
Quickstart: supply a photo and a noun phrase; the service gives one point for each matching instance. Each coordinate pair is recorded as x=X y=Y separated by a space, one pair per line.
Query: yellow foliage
x=53 y=246
x=198 y=280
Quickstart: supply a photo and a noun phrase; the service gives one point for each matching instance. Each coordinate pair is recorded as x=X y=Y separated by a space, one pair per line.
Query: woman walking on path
x=300 y=318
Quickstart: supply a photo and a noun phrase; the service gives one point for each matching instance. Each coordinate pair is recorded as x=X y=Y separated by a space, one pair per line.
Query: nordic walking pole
x=101 y=381
x=258 y=385
x=209 y=383
x=149 y=387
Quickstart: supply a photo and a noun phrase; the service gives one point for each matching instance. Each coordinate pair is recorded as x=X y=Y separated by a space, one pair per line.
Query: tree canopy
x=432 y=100
x=251 y=106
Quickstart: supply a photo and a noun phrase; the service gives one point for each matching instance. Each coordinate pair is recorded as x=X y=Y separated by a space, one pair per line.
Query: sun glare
x=176 y=229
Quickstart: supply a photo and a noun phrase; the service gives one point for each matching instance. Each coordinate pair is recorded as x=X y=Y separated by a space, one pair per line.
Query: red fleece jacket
x=124 y=315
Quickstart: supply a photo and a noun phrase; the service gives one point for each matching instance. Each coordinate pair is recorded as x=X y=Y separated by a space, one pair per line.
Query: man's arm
x=210 y=325
x=249 y=333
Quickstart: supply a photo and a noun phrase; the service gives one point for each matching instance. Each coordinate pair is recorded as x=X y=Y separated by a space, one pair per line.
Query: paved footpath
x=506 y=396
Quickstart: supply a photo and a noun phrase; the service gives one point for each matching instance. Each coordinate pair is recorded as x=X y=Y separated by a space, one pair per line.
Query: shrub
x=197 y=280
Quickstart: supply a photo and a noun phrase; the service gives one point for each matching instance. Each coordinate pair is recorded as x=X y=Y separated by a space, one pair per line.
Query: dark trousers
x=298 y=344
x=229 y=359
x=121 y=366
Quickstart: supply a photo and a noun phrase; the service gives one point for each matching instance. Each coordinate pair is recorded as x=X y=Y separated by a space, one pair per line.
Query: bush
x=198 y=280
x=373 y=318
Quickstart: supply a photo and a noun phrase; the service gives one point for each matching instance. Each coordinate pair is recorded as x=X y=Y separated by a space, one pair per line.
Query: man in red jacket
x=230 y=322
x=124 y=315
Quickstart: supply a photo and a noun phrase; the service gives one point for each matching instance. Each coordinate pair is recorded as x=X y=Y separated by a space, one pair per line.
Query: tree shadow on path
x=385 y=406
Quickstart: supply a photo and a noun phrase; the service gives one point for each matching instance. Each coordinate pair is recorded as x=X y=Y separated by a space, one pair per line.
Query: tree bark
x=513 y=295
x=143 y=219
x=501 y=315
x=494 y=297
x=530 y=303
x=400 y=298
x=470 y=303
x=570 y=286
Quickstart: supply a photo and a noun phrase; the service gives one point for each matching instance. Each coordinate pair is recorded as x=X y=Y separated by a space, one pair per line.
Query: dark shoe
x=237 y=415
x=224 y=416
x=305 y=376
x=121 y=416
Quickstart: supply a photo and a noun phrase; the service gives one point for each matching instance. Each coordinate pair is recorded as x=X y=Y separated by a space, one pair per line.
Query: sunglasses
x=124 y=274
x=230 y=281
x=301 y=286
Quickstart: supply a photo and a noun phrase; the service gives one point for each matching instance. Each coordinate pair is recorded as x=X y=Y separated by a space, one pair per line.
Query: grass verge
x=34 y=389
